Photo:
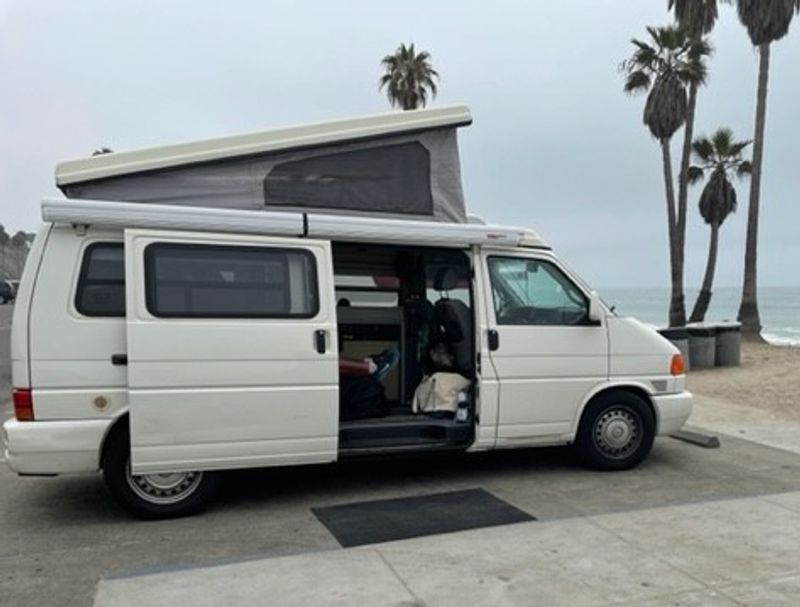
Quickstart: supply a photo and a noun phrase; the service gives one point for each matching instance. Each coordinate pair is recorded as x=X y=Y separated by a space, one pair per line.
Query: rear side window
x=208 y=281
x=101 y=283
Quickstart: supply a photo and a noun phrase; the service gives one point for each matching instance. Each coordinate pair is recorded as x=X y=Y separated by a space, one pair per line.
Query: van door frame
x=585 y=350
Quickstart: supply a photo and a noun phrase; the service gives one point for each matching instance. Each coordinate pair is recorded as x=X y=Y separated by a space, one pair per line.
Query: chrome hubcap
x=164 y=488
x=617 y=433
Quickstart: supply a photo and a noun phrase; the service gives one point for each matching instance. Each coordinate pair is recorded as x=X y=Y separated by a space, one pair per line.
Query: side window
x=533 y=292
x=208 y=281
x=101 y=282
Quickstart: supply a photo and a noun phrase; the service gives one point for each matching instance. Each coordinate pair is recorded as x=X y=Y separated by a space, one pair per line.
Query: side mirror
x=595 y=307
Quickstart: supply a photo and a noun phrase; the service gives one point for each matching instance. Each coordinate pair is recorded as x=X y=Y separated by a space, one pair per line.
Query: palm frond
x=744 y=170
x=722 y=140
x=637 y=82
x=695 y=174
x=703 y=149
x=737 y=147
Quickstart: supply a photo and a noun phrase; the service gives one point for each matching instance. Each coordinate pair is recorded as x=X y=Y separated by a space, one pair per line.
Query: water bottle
x=462 y=412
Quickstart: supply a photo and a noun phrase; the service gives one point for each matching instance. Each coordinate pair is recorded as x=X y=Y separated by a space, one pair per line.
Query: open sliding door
x=232 y=351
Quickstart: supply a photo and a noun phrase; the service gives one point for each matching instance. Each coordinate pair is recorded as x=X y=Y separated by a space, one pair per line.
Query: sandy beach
x=768 y=381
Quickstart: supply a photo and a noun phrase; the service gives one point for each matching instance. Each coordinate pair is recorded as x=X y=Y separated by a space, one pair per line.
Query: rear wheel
x=153 y=496
x=616 y=432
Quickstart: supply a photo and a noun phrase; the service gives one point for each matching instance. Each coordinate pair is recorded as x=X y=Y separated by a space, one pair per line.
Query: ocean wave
x=792 y=330
x=781 y=340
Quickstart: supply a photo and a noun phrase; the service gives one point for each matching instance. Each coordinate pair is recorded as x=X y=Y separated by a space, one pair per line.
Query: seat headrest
x=445 y=280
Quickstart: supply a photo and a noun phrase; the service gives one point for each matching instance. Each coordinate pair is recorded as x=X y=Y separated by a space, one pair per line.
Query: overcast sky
x=555 y=144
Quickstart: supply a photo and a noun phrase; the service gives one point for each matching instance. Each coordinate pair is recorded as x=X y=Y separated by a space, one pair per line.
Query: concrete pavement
x=734 y=552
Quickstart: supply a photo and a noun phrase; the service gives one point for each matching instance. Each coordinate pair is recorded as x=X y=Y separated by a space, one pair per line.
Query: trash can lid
x=729 y=326
x=674 y=332
x=701 y=330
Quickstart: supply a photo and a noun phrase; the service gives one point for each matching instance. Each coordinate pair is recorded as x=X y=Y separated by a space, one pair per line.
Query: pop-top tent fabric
x=396 y=170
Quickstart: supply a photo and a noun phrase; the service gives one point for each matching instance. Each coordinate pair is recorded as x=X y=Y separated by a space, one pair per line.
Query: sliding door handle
x=119 y=360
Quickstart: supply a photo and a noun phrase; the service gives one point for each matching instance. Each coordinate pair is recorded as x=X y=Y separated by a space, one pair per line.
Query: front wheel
x=616 y=431
x=154 y=496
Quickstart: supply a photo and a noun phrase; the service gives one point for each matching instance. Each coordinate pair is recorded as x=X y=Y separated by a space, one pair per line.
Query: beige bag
x=439 y=392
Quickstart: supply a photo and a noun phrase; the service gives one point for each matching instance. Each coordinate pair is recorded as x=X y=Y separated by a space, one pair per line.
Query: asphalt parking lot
x=60 y=536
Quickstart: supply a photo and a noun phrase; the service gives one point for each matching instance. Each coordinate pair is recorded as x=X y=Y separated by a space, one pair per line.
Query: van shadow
x=370 y=478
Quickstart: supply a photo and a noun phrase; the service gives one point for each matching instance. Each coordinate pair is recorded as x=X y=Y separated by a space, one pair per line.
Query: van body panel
x=210 y=393
x=70 y=356
x=637 y=350
x=544 y=371
x=20 y=325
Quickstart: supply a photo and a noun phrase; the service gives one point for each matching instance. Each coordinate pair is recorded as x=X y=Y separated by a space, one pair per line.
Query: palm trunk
x=748 y=310
x=704 y=297
x=683 y=196
x=677 y=310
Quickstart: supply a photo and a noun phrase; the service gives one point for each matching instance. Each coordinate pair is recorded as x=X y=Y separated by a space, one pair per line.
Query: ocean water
x=779 y=308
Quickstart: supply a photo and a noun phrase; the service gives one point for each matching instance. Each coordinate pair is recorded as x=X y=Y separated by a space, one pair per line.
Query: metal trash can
x=729 y=344
x=679 y=337
x=702 y=345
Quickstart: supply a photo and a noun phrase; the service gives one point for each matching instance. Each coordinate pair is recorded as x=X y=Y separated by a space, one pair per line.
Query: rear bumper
x=54 y=447
x=673 y=410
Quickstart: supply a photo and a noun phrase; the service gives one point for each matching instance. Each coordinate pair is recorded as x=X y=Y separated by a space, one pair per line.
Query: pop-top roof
x=400 y=164
x=375 y=126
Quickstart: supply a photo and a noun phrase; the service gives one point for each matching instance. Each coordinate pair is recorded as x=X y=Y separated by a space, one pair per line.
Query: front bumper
x=673 y=410
x=54 y=447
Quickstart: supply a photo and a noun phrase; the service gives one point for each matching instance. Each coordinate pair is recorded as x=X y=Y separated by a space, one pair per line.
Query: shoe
x=385 y=361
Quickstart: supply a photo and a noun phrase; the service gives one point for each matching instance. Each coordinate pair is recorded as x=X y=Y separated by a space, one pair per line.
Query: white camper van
x=185 y=310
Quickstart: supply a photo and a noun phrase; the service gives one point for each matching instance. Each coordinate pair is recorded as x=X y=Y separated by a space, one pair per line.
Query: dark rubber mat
x=396 y=519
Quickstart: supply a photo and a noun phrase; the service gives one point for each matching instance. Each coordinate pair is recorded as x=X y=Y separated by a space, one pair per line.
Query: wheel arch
x=120 y=423
x=633 y=387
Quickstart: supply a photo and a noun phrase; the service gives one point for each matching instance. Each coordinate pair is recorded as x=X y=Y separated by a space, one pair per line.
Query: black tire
x=616 y=431
x=153 y=496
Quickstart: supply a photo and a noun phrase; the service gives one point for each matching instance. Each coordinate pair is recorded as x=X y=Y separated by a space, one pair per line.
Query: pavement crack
x=418 y=602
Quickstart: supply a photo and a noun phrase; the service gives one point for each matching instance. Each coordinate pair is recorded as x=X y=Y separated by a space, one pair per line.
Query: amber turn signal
x=676 y=366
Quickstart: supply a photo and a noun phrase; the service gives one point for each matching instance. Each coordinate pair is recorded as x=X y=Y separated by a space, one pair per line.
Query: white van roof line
x=378 y=125
x=312 y=225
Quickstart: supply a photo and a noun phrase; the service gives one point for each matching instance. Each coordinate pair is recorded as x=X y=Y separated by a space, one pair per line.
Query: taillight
x=23 y=404
x=676 y=366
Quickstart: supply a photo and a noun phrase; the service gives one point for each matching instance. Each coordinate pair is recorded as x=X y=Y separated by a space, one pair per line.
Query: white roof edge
x=150 y=159
x=331 y=227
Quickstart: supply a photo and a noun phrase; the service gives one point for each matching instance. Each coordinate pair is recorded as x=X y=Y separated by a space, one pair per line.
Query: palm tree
x=665 y=67
x=409 y=77
x=697 y=18
x=766 y=21
x=719 y=154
